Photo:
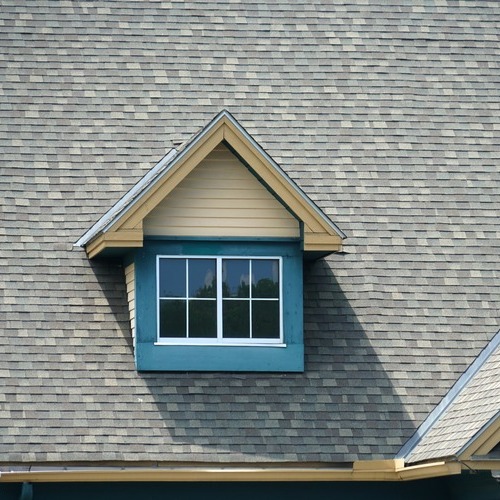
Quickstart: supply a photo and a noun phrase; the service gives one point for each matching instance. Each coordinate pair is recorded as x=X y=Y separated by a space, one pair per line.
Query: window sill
x=220 y=344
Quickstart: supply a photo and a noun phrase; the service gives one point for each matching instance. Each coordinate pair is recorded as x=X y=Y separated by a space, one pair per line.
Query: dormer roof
x=122 y=225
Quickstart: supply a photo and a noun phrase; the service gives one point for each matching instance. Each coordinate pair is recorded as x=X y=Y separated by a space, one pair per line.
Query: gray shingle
x=474 y=404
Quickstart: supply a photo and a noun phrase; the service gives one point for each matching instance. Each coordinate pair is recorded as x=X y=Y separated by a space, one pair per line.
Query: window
x=226 y=300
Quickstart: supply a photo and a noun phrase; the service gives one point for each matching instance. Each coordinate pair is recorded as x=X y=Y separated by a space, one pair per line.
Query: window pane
x=265 y=319
x=235 y=278
x=203 y=319
x=202 y=278
x=265 y=278
x=172 y=278
x=236 y=319
x=172 y=318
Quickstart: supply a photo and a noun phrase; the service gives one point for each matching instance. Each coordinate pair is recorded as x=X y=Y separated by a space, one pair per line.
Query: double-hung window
x=219 y=300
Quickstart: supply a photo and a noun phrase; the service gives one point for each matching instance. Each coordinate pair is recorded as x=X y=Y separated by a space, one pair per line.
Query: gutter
x=370 y=470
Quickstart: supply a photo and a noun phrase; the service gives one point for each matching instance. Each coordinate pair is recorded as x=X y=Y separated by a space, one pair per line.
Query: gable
x=467 y=421
x=218 y=233
x=221 y=198
x=123 y=225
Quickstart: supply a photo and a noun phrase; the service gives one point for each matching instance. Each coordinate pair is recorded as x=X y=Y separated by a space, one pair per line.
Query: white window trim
x=220 y=340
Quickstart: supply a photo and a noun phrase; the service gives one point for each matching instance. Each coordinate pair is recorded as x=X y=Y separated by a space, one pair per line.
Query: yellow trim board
x=126 y=230
x=171 y=180
x=121 y=239
x=384 y=470
x=265 y=171
x=484 y=442
x=481 y=463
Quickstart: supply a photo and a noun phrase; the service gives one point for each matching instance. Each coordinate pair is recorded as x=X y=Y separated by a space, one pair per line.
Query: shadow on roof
x=342 y=408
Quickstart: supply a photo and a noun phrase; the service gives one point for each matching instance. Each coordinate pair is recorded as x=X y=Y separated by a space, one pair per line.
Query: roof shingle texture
x=386 y=113
x=476 y=406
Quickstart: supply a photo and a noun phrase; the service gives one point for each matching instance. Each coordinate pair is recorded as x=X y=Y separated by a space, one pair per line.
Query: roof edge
x=408 y=448
x=489 y=430
x=285 y=176
x=370 y=470
x=107 y=219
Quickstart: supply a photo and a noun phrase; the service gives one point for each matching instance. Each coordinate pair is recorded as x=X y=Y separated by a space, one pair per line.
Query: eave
x=376 y=470
x=481 y=463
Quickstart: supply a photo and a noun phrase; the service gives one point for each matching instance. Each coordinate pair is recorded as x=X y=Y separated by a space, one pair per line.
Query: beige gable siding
x=130 y=284
x=221 y=198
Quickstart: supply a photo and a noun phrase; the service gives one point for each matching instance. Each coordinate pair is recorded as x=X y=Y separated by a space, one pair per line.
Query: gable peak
x=122 y=225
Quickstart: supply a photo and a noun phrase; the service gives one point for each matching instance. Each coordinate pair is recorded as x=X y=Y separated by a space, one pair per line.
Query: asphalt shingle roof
x=386 y=113
x=474 y=405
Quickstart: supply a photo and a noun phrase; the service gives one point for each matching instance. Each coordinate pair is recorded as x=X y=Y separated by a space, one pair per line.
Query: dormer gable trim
x=122 y=225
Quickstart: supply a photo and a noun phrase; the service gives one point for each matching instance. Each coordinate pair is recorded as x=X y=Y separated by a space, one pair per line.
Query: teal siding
x=151 y=357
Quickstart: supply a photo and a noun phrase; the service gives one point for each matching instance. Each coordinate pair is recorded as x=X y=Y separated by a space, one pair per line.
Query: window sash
x=220 y=339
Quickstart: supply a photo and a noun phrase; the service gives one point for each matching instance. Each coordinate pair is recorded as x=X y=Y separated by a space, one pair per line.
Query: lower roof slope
x=385 y=113
x=471 y=409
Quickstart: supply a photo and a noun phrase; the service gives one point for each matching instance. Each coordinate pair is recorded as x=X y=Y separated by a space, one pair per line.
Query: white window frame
x=220 y=340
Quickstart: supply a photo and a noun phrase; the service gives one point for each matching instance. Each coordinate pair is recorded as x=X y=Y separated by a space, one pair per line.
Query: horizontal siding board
x=130 y=285
x=241 y=231
x=229 y=195
x=214 y=185
x=214 y=212
x=221 y=198
x=225 y=203
x=236 y=223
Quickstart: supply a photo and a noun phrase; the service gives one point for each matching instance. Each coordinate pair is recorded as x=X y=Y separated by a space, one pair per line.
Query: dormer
x=213 y=240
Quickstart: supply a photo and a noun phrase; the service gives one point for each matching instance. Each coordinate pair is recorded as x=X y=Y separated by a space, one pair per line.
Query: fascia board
x=172 y=158
x=229 y=473
x=479 y=463
x=284 y=176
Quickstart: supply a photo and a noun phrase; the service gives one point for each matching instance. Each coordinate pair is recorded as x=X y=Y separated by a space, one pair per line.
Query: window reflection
x=236 y=319
x=265 y=278
x=265 y=319
x=202 y=319
x=172 y=278
x=202 y=278
x=235 y=278
x=172 y=318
